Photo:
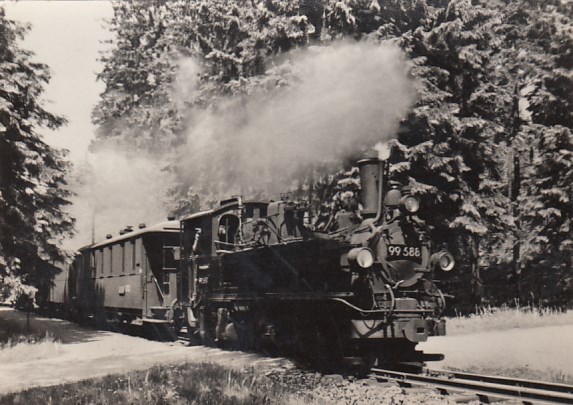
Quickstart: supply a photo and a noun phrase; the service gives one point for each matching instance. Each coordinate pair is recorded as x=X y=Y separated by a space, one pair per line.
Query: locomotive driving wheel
x=193 y=330
x=243 y=326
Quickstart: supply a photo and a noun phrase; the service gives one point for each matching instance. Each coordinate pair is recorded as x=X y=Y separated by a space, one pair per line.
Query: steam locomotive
x=253 y=275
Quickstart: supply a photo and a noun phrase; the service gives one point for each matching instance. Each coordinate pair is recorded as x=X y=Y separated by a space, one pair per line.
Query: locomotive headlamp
x=411 y=203
x=393 y=197
x=444 y=260
x=364 y=257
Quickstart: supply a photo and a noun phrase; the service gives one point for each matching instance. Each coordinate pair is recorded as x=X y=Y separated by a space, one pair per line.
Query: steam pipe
x=240 y=216
x=381 y=186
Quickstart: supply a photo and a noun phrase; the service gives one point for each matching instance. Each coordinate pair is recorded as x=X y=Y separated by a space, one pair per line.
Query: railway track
x=486 y=388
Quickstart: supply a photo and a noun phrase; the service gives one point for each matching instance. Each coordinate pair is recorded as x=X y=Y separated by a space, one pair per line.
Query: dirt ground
x=82 y=353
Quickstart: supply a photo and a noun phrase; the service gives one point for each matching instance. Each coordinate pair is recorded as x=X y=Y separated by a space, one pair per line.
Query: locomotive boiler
x=255 y=276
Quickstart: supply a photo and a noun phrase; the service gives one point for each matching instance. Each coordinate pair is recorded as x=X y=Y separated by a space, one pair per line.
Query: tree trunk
x=476 y=282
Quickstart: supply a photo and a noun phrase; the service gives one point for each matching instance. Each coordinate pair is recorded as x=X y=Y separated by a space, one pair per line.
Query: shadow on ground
x=14 y=322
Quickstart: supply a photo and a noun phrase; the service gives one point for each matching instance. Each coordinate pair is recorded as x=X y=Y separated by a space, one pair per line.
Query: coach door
x=171 y=257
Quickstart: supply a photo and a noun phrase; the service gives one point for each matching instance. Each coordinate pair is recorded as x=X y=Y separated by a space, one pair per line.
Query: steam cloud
x=116 y=189
x=341 y=98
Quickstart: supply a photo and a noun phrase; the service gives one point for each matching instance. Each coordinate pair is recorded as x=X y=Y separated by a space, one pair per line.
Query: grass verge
x=188 y=383
x=17 y=342
x=487 y=319
x=550 y=375
x=13 y=332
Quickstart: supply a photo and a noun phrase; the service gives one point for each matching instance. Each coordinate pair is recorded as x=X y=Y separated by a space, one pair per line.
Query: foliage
x=489 y=318
x=543 y=145
x=548 y=214
x=493 y=82
x=33 y=189
x=135 y=104
x=172 y=61
x=232 y=41
x=484 y=71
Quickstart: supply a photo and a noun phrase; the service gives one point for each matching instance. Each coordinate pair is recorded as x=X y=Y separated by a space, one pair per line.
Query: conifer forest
x=472 y=98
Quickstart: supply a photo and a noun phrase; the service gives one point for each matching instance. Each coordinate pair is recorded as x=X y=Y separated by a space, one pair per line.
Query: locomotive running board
x=281 y=296
x=431 y=356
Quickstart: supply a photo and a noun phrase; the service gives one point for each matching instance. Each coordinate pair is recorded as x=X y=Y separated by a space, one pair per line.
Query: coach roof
x=196 y=215
x=167 y=226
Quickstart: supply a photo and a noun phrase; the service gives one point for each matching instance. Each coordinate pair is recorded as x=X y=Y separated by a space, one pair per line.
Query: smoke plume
x=338 y=99
x=318 y=105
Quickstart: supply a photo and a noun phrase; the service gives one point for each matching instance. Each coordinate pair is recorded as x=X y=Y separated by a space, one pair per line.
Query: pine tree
x=152 y=84
x=547 y=212
x=33 y=189
x=494 y=89
x=542 y=146
x=135 y=110
x=230 y=40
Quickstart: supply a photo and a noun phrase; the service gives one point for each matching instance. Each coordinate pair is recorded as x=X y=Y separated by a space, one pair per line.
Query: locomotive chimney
x=370 y=179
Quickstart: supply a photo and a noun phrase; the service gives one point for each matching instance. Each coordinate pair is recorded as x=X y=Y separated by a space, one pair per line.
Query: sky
x=67 y=35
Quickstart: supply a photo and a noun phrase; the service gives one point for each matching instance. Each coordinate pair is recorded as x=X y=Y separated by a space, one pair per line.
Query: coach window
x=128 y=256
x=110 y=254
x=122 y=257
x=133 y=255
x=171 y=257
x=92 y=264
x=105 y=260
x=165 y=283
x=117 y=254
x=99 y=262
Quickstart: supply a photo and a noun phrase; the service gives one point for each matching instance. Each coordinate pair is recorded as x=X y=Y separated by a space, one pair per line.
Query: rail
x=484 y=386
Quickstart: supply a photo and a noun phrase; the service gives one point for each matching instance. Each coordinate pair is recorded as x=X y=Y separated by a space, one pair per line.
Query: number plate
x=404 y=252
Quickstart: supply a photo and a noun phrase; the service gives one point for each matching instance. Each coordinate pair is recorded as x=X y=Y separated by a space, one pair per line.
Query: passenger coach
x=128 y=278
